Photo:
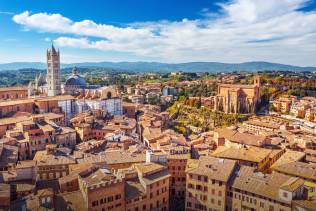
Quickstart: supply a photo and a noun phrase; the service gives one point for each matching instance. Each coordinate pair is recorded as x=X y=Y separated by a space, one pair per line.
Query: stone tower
x=53 y=72
x=257 y=80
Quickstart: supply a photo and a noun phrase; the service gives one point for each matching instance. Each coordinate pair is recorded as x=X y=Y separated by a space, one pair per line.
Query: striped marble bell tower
x=53 y=72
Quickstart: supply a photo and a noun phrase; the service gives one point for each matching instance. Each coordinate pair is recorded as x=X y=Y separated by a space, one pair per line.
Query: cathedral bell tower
x=53 y=72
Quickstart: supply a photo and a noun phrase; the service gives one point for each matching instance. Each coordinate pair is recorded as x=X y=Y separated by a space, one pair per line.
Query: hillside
x=165 y=67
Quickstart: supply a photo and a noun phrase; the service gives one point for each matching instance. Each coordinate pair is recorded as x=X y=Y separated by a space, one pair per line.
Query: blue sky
x=281 y=31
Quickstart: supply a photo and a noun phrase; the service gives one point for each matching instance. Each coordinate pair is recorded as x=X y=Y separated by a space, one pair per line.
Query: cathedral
x=75 y=84
x=85 y=96
x=237 y=98
x=51 y=85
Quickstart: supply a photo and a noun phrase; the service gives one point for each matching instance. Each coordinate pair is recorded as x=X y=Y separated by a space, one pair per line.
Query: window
x=220 y=193
x=271 y=208
x=110 y=198
x=285 y=194
x=205 y=179
x=94 y=203
x=261 y=204
x=219 y=202
x=189 y=204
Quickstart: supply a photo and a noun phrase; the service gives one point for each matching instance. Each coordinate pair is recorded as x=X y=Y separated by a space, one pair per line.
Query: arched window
x=109 y=95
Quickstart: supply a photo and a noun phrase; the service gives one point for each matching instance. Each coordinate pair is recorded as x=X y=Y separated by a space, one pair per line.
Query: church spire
x=53 y=48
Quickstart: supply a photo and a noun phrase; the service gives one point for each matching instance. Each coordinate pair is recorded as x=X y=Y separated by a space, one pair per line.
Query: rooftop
x=247 y=179
x=114 y=157
x=149 y=168
x=100 y=176
x=70 y=201
x=252 y=154
x=213 y=168
x=241 y=138
x=298 y=169
x=288 y=157
x=133 y=189
x=263 y=124
x=44 y=159
x=16 y=88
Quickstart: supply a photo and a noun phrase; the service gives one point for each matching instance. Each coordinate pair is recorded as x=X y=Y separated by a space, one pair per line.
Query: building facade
x=237 y=98
x=53 y=72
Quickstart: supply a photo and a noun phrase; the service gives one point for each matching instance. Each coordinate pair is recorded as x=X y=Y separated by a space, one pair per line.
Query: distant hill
x=165 y=67
x=22 y=65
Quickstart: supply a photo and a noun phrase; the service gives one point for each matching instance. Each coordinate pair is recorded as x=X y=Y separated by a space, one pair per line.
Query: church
x=85 y=96
x=51 y=85
x=237 y=98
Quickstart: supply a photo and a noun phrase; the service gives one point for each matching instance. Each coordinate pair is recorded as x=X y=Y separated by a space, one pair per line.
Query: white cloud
x=244 y=30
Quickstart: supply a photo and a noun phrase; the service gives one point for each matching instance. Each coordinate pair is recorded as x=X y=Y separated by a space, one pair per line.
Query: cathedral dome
x=76 y=80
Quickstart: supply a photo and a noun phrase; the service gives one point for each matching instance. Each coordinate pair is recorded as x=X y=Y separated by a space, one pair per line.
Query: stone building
x=75 y=83
x=10 y=93
x=105 y=98
x=50 y=165
x=207 y=183
x=102 y=190
x=237 y=98
x=53 y=72
x=36 y=132
x=51 y=85
x=251 y=190
x=221 y=184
